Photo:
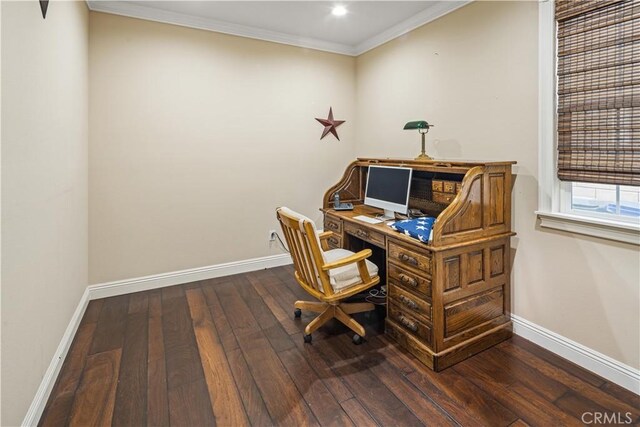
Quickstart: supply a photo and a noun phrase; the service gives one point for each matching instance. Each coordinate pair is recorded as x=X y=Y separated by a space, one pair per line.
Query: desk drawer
x=333 y=224
x=420 y=262
x=444 y=198
x=365 y=233
x=415 y=346
x=449 y=187
x=410 y=303
x=409 y=280
x=410 y=323
x=335 y=241
x=442 y=186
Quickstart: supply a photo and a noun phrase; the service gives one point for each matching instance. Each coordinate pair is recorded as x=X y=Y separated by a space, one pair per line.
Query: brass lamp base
x=423 y=157
x=423 y=128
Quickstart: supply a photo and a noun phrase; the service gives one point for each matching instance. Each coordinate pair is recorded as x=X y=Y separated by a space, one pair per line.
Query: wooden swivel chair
x=330 y=276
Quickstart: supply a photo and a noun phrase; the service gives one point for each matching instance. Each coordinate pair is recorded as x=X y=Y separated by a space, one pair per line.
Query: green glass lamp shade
x=418 y=124
x=422 y=127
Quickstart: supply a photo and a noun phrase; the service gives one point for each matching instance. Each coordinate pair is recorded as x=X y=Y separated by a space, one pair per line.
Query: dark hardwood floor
x=228 y=352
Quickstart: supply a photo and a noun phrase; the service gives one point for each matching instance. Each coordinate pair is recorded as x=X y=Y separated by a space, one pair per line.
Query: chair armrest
x=325 y=235
x=360 y=256
x=324 y=239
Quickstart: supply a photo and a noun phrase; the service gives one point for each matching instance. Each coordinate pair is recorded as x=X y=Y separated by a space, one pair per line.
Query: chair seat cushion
x=348 y=275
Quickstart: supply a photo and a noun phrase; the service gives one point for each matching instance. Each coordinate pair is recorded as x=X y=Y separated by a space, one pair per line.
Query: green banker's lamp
x=423 y=129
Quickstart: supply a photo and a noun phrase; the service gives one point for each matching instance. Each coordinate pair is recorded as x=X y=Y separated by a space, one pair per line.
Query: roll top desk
x=450 y=298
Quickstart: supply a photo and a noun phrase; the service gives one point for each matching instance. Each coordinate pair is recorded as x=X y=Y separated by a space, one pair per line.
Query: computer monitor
x=388 y=189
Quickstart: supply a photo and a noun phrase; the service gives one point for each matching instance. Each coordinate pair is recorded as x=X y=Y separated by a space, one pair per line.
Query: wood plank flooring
x=228 y=352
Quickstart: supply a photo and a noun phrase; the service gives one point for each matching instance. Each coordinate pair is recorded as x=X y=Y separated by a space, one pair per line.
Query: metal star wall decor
x=330 y=125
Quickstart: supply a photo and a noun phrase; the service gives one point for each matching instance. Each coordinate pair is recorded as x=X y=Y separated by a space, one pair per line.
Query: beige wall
x=44 y=189
x=196 y=138
x=473 y=74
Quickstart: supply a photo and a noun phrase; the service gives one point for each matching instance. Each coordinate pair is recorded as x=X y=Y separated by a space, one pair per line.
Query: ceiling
x=300 y=23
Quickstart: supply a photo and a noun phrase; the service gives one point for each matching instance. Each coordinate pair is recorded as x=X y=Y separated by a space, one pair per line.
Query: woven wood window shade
x=599 y=91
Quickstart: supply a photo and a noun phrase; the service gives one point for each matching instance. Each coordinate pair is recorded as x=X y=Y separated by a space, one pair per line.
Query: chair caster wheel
x=307 y=339
x=297 y=313
x=357 y=339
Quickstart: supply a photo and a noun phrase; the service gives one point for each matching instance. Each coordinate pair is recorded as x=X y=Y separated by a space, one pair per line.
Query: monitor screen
x=388 y=188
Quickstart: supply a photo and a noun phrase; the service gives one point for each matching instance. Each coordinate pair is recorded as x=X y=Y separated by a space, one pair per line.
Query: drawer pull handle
x=408 y=302
x=362 y=233
x=408 y=280
x=333 y=225
x=333 y=240
x=412 y=326
x=408 y=259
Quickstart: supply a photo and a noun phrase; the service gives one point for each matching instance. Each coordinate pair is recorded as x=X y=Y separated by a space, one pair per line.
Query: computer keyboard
x=368 y=219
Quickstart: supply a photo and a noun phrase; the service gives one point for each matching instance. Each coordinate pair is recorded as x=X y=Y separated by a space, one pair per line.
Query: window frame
x=554 y=196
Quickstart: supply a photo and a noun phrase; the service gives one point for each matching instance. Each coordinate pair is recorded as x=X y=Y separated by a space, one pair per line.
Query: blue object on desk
x=418 y=228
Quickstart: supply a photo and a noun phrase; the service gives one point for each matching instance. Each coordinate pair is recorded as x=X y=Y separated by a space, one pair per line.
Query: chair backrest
x=306 y=252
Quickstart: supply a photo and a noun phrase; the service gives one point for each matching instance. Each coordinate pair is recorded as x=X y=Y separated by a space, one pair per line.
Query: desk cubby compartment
x=408 y=280
x=409 y=258
x=409 y=302
x=365 y=233
x=409 y=323
x=445 y=186
x=444 y=191
x=449 y=187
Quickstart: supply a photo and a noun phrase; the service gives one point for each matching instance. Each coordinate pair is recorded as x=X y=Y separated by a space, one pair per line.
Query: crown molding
x=190 y=21
x=418 y=20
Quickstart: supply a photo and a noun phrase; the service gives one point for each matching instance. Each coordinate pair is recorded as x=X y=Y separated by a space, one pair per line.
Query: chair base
x=340 y=311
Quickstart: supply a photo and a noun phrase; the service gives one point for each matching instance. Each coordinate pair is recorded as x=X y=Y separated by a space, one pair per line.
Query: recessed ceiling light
x=339 y=10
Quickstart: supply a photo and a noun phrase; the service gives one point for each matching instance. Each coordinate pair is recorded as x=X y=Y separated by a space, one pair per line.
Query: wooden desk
x=448 y=299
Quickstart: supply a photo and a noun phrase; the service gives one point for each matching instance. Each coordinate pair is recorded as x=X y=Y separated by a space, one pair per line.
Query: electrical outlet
x=272 y=235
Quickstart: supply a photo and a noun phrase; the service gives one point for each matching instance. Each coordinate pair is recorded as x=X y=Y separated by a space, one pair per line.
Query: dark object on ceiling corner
x=44 y=5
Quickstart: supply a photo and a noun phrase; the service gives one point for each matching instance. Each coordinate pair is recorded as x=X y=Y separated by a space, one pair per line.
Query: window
x=590 y=117
x=616 y=202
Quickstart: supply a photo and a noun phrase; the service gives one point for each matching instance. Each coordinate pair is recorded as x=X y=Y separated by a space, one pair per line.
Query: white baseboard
x=608 y=368
x=48 y=381
x=122 y=287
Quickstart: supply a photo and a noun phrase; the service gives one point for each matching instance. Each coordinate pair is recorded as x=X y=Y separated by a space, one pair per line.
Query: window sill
x=605 y=229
